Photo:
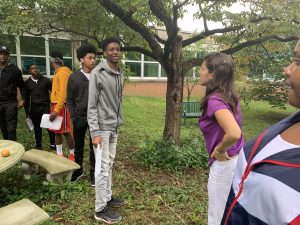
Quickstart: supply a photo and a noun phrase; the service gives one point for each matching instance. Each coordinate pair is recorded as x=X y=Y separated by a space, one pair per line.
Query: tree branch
x=203 y=17
x=65 y=30
x=159 y=39
x=126 y=17
x=137 y=49
x=237 y=39
x=188 y=64
x=174 y=31
x=161 y=13
x=207 y=33
x=179 y=5
x=260 y=40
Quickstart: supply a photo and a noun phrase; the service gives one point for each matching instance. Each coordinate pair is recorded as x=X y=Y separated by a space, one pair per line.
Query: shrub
x=165 y=154
x=272 y=92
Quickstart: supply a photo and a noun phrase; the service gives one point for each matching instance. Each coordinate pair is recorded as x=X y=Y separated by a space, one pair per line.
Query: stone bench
x=23 y=212
x=59 y=169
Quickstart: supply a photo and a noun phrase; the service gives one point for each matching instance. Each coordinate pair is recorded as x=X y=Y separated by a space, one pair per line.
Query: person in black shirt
x=77 y=101
x=10 y=80
x=37 y=103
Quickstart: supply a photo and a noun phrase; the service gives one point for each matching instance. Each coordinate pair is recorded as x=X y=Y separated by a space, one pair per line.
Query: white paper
x=98 y=157
x=54 y=125
x=29 y=123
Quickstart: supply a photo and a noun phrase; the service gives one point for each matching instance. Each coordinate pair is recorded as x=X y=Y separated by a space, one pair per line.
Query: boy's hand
x=96 y=141
x=20 y=104
x=53 y=115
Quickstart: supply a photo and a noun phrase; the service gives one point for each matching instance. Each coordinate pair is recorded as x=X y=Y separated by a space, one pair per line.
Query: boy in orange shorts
x=58 y=103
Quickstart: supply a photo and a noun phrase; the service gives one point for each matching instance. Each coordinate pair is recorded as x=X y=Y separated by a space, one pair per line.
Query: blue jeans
x=103 y=178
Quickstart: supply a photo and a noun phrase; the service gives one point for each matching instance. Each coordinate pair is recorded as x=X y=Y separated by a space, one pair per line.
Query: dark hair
x=30 y=65
x=85 y=49
x=57 y=54
x=109 y=40
x=222 y=83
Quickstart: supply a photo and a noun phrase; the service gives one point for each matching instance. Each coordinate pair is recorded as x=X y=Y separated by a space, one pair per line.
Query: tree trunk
x=174 y=94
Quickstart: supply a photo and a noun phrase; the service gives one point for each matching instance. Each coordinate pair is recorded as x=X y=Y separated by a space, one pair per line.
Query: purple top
x=213 y=132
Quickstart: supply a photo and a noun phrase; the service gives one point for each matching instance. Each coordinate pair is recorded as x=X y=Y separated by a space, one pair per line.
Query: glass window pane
x=163 y=72
x=133 y=56
x=9 y=41
x=32 y=45
x=68 y=63
x=64 y=46
x=151 y=70
x=134 y=68
x=147 y=58
x=40 y=61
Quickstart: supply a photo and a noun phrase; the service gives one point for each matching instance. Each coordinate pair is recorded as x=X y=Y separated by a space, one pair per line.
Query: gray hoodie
x=105 y=99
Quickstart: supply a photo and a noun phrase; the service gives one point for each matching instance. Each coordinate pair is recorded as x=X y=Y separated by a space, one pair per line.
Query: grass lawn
x=154 y=196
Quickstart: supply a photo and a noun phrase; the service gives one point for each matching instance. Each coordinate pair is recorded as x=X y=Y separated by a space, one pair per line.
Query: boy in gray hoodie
x=104 y=117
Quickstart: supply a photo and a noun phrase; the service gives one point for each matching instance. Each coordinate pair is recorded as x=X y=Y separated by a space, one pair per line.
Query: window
x=32 y=45
x=147 y=58
x=63 y=46
x=9 y=41
x=134 y=68
x=34 y=50
x=27 y=61
x=133 y=56
x=150 y=69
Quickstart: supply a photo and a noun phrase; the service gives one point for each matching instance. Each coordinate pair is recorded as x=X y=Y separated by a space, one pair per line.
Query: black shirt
x=78 y=95
x=37 y=93
x=10 y=79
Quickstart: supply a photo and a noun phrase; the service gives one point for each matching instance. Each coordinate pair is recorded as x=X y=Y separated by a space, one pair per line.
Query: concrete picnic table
x=16 y=151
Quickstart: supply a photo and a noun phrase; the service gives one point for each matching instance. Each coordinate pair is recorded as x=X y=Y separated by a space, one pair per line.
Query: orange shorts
x=66 y=122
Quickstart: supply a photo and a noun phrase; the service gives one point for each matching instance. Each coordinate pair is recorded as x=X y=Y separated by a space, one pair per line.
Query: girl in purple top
x=220 y=124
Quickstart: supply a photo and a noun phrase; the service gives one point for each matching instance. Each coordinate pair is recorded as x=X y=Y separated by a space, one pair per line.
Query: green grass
x=154 y=196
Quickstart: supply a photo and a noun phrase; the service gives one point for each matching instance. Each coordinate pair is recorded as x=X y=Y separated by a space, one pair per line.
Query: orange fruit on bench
x=5 y=153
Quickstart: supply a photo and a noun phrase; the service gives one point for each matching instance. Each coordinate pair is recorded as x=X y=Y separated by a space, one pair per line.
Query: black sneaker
x=116 y=202
x=108 y=216
x=76 y=176
x=52 y=147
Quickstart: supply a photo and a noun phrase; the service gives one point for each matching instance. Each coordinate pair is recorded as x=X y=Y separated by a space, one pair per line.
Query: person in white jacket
x=104 y=118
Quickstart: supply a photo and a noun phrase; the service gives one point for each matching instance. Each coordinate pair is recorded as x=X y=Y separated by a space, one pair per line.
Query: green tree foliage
x=136 y=22
x=263 y=65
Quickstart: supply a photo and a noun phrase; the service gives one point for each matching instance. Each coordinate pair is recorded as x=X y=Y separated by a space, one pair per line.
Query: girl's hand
x=220 y=156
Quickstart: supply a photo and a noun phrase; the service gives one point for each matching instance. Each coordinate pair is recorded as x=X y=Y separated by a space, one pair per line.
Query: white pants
x=219 y=184
x=103 y=177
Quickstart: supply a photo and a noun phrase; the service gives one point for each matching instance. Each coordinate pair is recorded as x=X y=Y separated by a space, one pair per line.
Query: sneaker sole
x=107 y=221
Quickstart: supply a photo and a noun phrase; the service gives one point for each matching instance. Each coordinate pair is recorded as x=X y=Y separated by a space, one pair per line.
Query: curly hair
x=85 y=49
x=109 y=40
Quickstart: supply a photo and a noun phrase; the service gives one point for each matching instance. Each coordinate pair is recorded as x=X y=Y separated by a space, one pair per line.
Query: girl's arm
x=232 y=133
